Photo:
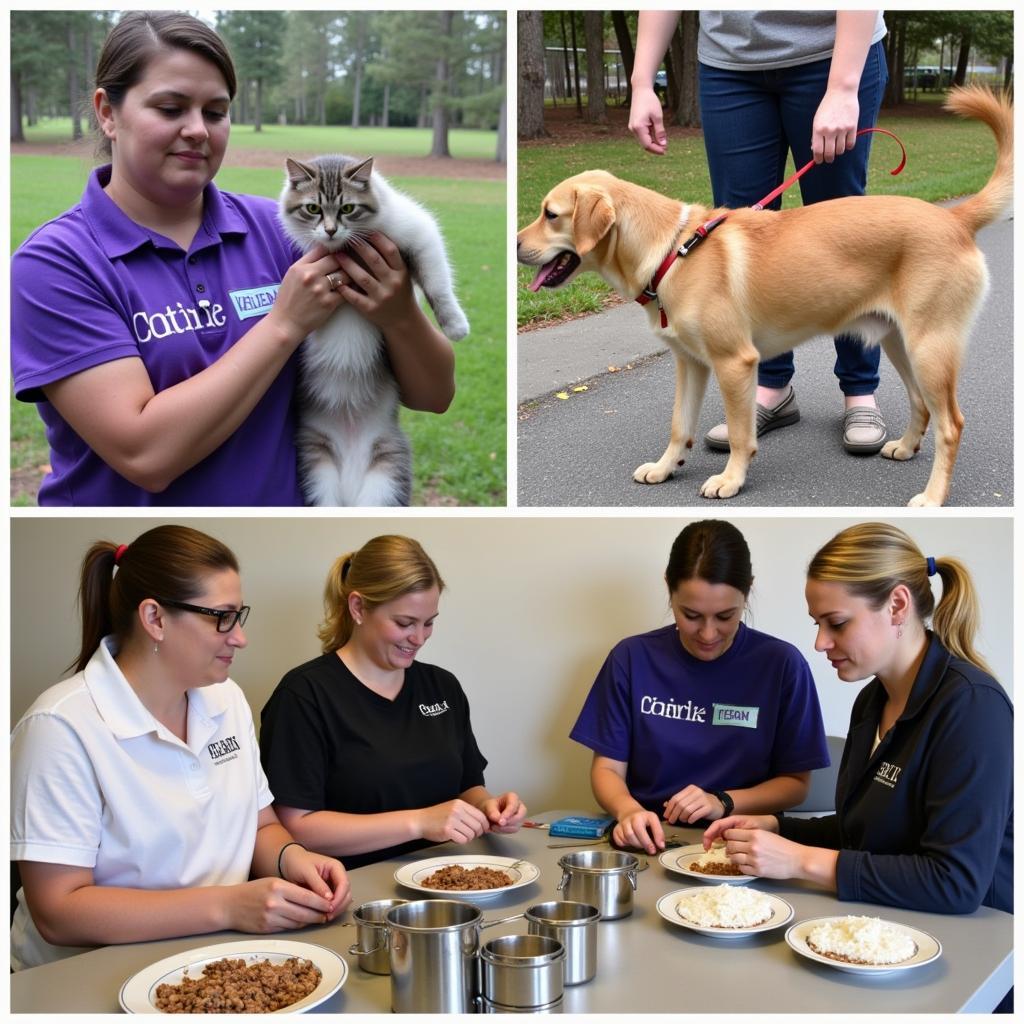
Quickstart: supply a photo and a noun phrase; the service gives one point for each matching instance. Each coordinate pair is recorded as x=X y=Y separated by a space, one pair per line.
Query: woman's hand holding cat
x=306 y=299
x=377 y=283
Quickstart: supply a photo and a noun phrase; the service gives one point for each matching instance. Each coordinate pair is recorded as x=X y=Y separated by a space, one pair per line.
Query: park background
x=532 y=607
x=421 y=91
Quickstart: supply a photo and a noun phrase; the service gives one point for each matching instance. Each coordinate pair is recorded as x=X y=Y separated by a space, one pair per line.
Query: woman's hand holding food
x=639 y=828
x=306 y=297
x=505 y=813
x=757 y=852
x=455 y=820
x=692 y=804
x=273 y=905
x=318 y=873
x=763 y=822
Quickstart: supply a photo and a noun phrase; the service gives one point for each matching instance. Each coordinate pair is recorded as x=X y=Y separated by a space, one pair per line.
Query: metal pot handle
x=501 y=920
x=354 y=949
x=565 y=879
x=631 y=875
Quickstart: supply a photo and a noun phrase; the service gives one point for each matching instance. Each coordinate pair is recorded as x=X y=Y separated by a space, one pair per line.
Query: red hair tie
x=121 y=549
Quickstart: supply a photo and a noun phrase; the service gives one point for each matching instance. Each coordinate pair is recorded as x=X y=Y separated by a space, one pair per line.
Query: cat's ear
x=361 y=172
x=299 y=174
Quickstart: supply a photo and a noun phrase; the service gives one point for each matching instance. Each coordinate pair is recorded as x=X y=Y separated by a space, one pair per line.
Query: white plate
x=928 y=948
x=412 y=875
x=138 y=993
x=677 y=861
x=782 y=913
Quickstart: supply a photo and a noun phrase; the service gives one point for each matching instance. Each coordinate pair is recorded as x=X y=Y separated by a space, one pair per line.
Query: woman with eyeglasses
x=139 y=809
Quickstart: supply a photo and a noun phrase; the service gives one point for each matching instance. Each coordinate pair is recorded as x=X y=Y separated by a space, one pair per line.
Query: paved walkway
x=582 y=451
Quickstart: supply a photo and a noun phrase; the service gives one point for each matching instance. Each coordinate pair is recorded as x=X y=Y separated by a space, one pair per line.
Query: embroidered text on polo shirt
x=431 y=710
x=888 y=774
x=688 y=712
x=155 y=326
x=224 y=750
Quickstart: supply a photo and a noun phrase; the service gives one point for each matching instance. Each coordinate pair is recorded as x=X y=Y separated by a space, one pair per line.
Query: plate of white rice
x=863 y=945
x=725 y=911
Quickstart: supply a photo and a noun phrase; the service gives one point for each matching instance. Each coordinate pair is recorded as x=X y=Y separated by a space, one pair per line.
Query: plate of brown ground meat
x=253 y=976
x=468 y=876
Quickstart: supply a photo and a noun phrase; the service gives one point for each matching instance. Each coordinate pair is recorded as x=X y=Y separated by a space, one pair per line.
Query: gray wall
x=532 y=607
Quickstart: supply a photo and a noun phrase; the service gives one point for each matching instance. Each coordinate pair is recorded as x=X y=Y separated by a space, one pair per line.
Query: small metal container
x=575 y=926
x=524 y=971
x=371 y=945
x=433 y=952
x=605 y=879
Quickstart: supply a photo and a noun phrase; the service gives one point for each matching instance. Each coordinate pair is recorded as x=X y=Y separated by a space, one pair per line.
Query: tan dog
x=896 y=271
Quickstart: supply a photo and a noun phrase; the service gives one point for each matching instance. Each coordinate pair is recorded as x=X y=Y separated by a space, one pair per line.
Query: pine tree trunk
x=439 y=143
x=530 y=37
x=593 y=29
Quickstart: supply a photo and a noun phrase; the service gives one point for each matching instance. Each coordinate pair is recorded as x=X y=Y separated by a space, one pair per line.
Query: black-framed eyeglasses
x=227 y=618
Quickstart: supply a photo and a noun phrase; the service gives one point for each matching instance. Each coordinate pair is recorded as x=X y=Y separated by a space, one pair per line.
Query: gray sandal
x=864 y=430
x=781 y=415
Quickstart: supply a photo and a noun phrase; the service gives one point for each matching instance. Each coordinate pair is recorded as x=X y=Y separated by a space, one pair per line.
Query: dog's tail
x=997 y=112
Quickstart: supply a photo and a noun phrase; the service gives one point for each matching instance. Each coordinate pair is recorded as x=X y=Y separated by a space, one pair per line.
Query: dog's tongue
x=542 y=275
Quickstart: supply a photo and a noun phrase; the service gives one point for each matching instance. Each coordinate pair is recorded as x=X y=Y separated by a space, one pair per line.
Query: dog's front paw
x=897 y=450
x=923 y=501
x=651 y=473
x=719 y=486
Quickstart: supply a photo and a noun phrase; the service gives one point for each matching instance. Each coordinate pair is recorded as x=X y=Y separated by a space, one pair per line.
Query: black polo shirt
x=328 y=742
x=926 y=821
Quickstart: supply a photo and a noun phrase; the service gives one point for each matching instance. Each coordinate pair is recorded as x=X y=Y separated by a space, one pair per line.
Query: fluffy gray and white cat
x=351 y=449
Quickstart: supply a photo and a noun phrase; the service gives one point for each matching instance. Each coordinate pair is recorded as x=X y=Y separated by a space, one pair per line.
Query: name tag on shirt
x=733 y=714
x=250 y=302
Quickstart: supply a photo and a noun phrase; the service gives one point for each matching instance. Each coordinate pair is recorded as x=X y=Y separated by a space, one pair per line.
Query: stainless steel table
x=644 y=962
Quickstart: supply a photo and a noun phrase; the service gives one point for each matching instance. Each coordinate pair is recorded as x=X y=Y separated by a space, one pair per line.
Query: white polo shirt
x=98 y=782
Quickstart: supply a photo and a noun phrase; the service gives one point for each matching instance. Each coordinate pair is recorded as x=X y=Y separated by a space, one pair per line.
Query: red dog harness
x=650 y=293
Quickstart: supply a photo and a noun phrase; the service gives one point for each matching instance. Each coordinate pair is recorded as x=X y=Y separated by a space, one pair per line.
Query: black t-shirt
x=328 y=742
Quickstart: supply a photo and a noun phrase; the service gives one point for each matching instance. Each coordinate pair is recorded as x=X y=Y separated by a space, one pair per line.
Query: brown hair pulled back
x=711 y=550
x=872 y=559
x=383 y=569
x=133 y=42
x=167 y=562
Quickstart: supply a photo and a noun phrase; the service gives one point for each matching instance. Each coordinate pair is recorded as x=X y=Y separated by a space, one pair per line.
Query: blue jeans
x=752 y=120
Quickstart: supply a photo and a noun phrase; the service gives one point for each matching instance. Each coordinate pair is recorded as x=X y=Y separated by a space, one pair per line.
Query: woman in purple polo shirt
x=155 y=323
x=694 y=721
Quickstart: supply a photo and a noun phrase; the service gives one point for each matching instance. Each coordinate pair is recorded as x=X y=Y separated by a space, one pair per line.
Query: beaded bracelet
x=281 y=854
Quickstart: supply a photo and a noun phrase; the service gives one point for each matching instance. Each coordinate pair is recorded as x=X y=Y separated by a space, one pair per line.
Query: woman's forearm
x=653 y=34
x=340 y=834
x=854 y=30
x=423 y=363
x=611 y=792
x=771 y=795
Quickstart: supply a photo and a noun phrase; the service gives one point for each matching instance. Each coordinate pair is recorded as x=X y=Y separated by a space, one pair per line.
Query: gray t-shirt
x=742 y=40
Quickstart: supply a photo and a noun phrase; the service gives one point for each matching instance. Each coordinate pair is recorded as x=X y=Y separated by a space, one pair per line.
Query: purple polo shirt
x=730 y=723
x=92 y=286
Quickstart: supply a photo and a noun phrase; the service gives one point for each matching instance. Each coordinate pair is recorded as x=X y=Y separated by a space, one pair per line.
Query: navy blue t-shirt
x=730 y=723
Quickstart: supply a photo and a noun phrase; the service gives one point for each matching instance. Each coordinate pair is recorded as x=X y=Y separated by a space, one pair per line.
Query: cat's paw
x=454 y=325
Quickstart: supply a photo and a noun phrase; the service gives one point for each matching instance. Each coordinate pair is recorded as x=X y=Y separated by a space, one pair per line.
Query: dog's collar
x=650 y=293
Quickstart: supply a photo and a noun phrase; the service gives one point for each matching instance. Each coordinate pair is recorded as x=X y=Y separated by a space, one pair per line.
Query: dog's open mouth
x=552 y=274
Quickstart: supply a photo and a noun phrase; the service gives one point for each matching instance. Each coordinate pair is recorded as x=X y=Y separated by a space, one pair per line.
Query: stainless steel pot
x=522 y=970
x=575 y=926
x=433 y=953
x=605 y=879
x=486 y=1006
x=371 y=945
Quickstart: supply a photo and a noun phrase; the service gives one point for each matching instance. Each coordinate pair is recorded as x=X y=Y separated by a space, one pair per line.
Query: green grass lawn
x=310 y=139
x=460 y=457
x=946 y=157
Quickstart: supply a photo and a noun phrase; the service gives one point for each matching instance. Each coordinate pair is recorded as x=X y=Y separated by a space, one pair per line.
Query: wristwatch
x=727 y=801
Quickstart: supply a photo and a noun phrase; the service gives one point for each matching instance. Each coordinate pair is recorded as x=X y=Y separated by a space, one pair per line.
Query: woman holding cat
x=155 y=323
x=370 y=752
x=693 y=720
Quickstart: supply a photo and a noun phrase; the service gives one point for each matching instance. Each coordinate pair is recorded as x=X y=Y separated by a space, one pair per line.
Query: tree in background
x=593 y=30
x=256 y=41
x=530 y=29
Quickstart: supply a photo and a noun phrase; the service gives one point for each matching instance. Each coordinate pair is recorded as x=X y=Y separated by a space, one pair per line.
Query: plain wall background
x=532 y=607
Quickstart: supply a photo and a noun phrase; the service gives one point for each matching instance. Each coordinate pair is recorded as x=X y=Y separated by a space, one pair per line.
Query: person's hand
x=692 y=804
x=834 y=129
x=305 y=299
x=505 y=813
x=377 y=281
x=639 y=828
x=759 y=852
x=320 y=874
x=273 y=905
x=765 y=822
x=456 y=820
x=647 y=122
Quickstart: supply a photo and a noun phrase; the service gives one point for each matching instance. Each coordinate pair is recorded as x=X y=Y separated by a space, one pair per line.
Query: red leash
x=650 y=293
x=794 y=178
